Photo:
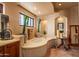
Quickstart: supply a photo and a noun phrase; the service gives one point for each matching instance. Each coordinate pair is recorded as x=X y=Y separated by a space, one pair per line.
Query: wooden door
x=74 y=35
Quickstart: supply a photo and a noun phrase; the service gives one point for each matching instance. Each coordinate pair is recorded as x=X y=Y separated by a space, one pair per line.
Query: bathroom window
x=29 y=21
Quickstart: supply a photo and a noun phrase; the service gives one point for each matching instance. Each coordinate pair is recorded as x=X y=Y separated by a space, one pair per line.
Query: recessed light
x=59 y=4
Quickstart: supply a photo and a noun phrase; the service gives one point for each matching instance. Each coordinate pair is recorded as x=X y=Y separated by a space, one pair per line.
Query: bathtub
x=36 y=47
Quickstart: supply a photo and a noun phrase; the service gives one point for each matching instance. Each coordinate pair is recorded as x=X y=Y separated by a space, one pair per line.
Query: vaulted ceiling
x=38 y=8
x=45 y=8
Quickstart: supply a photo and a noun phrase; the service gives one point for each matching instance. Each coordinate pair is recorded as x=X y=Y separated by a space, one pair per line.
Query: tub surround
x=37 y=42
x=37 y=47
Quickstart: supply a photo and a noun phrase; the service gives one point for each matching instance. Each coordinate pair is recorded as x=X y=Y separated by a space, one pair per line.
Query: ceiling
x=64 y=5
x=38 y=8
x=45 y=8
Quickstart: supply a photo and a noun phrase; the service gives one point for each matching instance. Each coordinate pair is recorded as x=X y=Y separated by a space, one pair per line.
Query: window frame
x=30 y=20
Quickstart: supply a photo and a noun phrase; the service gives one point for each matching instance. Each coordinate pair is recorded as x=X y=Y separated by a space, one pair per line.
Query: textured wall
x=74 y=18
x=48 y=22
x=78 y=9
x=13 y=10
x=50 y=28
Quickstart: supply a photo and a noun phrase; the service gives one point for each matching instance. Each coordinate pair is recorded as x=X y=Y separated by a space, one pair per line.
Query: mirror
x=61 y=27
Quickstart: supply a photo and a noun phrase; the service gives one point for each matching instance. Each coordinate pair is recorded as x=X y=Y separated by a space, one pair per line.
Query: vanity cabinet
x=1 y=51
x=10 y=50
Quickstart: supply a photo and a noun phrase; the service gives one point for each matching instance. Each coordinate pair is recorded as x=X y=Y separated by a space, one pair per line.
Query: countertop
x=5 y=42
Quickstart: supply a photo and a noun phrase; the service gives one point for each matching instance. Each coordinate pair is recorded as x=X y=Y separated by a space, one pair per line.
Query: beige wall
x=73 y=17
x=73 y=20
x=48 y=22
x=78 y=9
x=43 y=24
x=13 y=10
x=51 y=23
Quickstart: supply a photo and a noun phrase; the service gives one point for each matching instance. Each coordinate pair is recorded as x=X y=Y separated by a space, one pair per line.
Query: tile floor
x=60 y=52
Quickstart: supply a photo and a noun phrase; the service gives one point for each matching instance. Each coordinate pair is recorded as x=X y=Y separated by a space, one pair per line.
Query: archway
x=61 y=26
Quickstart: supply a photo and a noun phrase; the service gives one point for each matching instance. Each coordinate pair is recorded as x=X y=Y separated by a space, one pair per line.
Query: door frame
x=70 y=36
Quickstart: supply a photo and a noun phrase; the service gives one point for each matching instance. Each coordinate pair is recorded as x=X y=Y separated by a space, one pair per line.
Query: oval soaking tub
x=36 y=47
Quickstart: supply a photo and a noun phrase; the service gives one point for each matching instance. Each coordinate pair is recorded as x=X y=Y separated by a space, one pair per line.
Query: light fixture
x=59 y=4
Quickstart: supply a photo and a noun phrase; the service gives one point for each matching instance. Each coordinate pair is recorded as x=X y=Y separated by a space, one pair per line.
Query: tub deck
x=37 y=47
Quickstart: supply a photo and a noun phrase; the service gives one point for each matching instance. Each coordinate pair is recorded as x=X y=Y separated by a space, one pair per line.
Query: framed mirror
x=60 y=27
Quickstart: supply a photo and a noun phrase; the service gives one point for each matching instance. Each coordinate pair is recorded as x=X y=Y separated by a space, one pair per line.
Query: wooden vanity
x=10 y=48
